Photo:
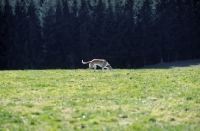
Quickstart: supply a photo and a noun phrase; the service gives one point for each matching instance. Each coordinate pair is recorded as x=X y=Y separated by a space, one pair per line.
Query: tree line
x=47 y=34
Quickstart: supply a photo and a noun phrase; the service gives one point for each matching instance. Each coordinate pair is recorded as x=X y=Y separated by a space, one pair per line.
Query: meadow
x=131 y=100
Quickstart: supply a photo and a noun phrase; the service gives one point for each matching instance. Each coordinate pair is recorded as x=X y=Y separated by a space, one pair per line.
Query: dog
x=98 y=62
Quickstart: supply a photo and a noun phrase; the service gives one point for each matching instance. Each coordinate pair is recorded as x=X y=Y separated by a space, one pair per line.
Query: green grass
x=145 y=99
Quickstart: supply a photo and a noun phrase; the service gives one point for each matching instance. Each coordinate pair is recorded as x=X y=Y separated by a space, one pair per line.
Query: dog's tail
x=85 y=62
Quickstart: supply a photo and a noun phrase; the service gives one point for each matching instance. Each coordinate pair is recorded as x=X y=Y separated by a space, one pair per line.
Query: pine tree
x=34 y=47
x=20 y=41
x=128 y=33
x=112 y=37
x=167 y=31
x=85 y=28
x=70 y=33
x=7 y=33
x=50 y=52
x=2 y=43
x=145 y=30
x=98 y=41
x=59 y=35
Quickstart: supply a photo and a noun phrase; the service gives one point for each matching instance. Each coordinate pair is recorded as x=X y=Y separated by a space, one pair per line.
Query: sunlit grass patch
x=144 y=99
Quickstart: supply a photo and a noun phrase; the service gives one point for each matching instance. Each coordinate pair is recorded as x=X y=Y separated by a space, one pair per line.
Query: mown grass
x=145 y=99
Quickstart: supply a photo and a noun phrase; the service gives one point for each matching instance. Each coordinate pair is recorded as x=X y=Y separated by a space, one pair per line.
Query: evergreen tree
x=144 y=32
x=7 y=34
x=98 y=41
x=110 y=33
x=50 y=53
x=70 y=33
x=190 y=30
x=20 y=56
x=34 y=47
x=164 y=39
x=59 y=35
x=2 y=35
x=128 y=33
x=2 y=32
x=85 y=27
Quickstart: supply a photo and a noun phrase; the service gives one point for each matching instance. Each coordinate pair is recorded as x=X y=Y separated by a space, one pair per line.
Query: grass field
x=143 y=99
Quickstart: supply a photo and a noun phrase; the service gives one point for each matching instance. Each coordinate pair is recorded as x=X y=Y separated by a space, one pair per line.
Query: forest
x=51 y=34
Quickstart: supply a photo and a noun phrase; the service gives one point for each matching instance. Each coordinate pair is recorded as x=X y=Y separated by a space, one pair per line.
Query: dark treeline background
x=44 y=34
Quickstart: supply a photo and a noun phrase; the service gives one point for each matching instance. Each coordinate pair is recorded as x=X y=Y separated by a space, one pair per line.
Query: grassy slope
x=115 y=100
x=177 y=64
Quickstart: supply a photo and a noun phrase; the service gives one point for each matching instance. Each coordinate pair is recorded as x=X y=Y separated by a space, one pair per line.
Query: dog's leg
x=95 y=67
x=104 y=67
x=90 y=66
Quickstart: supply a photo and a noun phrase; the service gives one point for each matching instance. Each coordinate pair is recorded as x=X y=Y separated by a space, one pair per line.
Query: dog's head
x=109 y=67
